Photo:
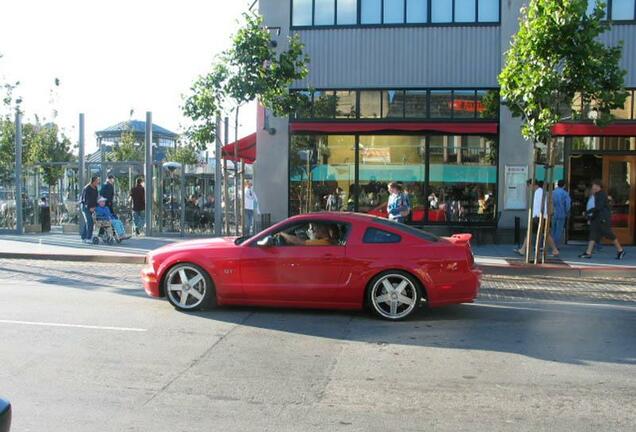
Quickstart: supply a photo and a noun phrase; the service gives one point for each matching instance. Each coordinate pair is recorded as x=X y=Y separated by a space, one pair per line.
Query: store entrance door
x=619 y=178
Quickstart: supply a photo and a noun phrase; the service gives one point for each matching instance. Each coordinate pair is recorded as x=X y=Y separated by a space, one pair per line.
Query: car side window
x=374 y=235
x=317 y=233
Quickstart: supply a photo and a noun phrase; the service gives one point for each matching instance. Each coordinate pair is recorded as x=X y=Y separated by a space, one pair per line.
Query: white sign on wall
x=515 y=188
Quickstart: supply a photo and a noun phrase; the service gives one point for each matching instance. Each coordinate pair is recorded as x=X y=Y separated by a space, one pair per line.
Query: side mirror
x=5 y=416
x=266 y=241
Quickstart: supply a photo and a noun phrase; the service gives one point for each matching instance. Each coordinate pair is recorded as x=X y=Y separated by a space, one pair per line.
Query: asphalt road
x=83 y=349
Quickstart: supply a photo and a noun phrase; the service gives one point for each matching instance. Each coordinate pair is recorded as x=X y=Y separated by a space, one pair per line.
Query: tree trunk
x=530 y=203
x=549 y=188
x=542 y=224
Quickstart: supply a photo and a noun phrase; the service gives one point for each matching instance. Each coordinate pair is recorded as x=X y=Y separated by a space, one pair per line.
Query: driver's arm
x=292 y=239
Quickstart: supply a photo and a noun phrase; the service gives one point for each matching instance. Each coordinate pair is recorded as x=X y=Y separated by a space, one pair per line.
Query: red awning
x=246 y=149
x=354 y=127
x=589 y=129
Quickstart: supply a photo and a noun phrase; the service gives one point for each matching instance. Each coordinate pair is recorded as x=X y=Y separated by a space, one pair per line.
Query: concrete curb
x=106 y=259
x=559 y=271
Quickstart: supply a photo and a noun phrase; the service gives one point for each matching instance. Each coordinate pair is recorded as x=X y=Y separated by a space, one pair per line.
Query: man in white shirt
x=536 y=213
x=251 y=205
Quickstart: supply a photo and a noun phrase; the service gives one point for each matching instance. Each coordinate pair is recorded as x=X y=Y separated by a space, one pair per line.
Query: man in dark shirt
x=138 y=198
x=88 y=202
x=108 y=192
x=601 y=223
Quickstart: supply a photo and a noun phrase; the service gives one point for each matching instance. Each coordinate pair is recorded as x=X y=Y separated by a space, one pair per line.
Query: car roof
x=334 y=216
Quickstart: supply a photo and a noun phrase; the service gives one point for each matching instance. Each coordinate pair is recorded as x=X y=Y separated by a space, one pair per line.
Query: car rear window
x=425 y=235
x=374 y=235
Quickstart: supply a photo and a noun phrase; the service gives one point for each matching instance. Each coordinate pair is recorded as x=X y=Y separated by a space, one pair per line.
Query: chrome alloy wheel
x=186 y=287
x=394 y=296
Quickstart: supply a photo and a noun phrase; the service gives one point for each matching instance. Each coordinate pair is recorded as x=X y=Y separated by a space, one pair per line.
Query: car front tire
x=188 y=287
x=394 y=295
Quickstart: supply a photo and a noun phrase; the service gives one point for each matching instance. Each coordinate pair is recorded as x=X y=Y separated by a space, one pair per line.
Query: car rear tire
x=394 y=295
x=189 y=287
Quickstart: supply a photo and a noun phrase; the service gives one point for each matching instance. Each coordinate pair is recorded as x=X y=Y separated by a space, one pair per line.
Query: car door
x=301 y=274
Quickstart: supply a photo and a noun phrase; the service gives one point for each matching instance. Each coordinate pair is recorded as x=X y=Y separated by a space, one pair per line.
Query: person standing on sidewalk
x=536 y=214
x=88 y=203
x=108 y=191
x=601 y=223
x=251 y=205
x=561 y=205
x=138 y=198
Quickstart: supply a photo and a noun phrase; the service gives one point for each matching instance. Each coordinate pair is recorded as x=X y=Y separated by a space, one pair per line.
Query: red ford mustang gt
x=321 y=260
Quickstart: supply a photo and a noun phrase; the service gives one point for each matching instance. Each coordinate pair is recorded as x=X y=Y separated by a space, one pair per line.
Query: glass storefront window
x=391 y=158
x=463 y=179
x=488 y=10
x=393 y=11
x=393 y=104
x=441 y=103
x=487 y=104
x=302 y=12
x=370 y=104
x=623 y=10
x=603 y=143
x=325 y=13
x=464 y=104
x=441 y=11
x=324 y=105
x=370 y=11
x=346 y=105
x=347 y=12
x=304 y=109
x=416 y=11
x=465 y=11
x=415 y=104
x=626 y=112
x=322 y=173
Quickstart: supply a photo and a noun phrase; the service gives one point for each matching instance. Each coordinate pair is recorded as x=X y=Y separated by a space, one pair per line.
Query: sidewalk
x=493 y=259
x=503 y=260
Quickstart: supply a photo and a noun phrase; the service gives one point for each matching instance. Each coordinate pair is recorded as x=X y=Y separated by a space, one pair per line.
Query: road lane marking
x=82 y=326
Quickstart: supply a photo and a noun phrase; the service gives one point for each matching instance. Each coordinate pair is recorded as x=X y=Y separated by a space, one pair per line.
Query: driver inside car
x=318 y=235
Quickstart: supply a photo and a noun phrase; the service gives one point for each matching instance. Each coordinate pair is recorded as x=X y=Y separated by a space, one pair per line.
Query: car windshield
x=241 y=240
x=425 y=235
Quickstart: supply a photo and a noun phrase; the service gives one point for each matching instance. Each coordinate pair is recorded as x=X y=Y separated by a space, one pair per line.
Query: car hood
x=213 y=243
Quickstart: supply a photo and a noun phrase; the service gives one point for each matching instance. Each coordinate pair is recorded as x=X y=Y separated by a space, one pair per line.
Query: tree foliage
x=555 y=55
x=251 y=69
x=185 y=154
x=127 y=149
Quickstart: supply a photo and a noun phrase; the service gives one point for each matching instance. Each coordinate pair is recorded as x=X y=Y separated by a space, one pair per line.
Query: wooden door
x=619 y=179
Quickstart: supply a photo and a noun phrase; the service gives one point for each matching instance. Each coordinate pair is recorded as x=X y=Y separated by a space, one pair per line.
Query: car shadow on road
x=573 y=334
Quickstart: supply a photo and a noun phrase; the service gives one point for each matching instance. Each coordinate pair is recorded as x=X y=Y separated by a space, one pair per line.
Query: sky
x=112 y=57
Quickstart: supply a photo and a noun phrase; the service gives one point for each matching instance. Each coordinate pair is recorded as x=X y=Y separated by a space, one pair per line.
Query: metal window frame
x=428 y=90
x=427 y=138
x=429 y=22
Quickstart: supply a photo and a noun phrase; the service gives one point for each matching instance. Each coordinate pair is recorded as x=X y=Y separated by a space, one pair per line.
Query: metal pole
x=237 y=218
x=218 y=180
x=148 y=173
x=242 y=182
x=528 y=241
x=226 y=195
x=82 y=146
x=18 y=171
x=102 y=169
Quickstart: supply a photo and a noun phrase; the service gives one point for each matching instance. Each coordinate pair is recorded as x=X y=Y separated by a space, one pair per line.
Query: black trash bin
x=45 y=218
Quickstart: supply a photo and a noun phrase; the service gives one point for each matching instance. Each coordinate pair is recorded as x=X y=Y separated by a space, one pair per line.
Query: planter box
x=31 y=229
x=70 y=229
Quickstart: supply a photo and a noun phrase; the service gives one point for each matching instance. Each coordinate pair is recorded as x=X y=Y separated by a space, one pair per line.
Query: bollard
x=518 y=231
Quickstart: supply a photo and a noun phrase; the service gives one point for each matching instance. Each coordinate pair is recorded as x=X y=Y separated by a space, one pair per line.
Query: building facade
x=407 y=91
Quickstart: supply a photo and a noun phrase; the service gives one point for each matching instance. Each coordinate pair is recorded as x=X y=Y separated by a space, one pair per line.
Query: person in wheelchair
x=317 y=234
x=106 y=217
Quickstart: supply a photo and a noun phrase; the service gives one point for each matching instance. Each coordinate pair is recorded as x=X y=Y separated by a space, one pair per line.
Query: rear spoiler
x=461 y=238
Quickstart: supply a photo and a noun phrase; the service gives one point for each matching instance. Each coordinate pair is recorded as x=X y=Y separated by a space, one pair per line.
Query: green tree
x=555 y=55
x=127 y=149
x=185 y=154
x=43 y=145
x=251 y=69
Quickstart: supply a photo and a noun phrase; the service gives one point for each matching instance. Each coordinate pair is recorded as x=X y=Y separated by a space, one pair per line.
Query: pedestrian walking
x=334 y=200
x=108 y=191
x=251 y=206
x=537 y=212
x=88 y=203
x=397 y=207
x=138 y=198
x=561 y=205
x=601 y=223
